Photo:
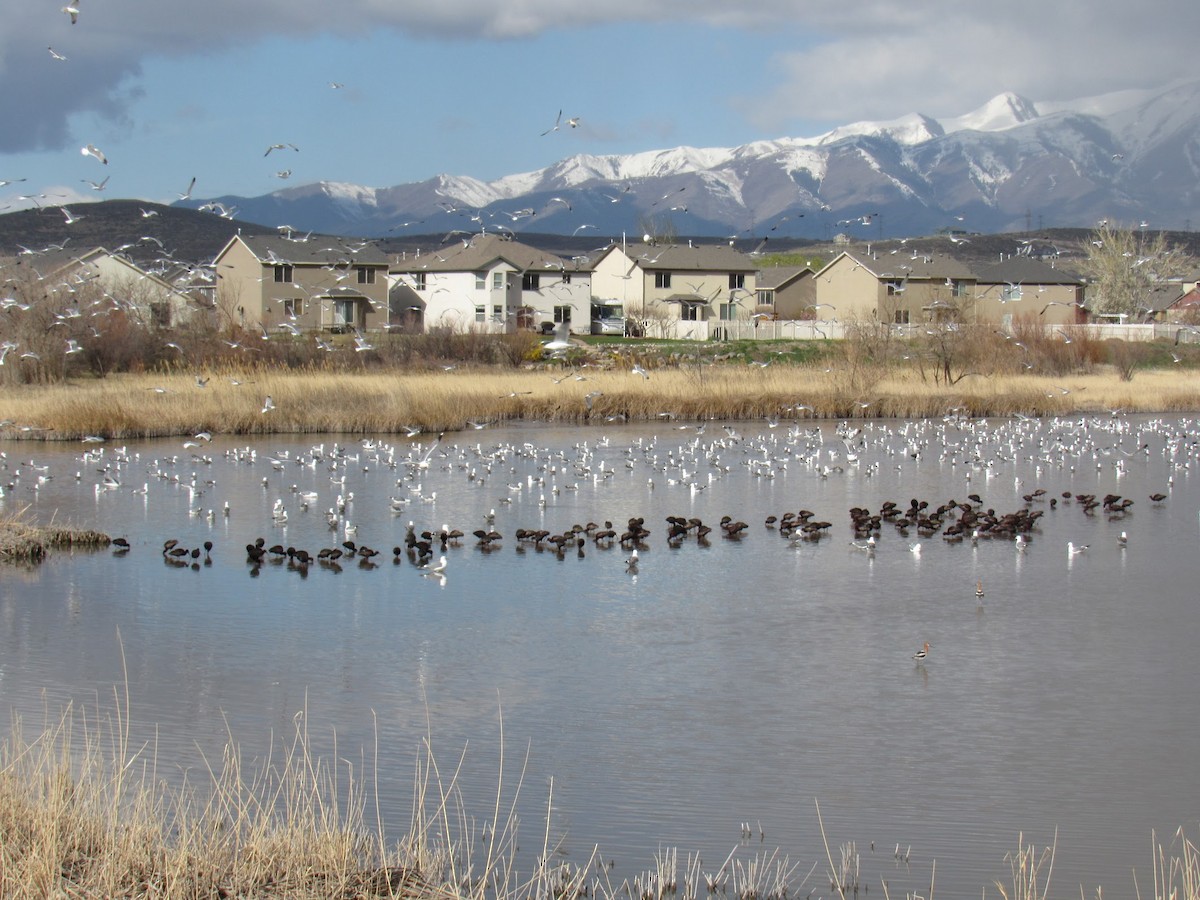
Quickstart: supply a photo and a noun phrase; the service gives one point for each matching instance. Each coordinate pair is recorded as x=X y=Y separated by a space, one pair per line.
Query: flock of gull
x=680 y=463
x=1017 y=461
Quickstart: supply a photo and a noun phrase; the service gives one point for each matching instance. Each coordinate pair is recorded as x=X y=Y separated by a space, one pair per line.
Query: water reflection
x=727 y=680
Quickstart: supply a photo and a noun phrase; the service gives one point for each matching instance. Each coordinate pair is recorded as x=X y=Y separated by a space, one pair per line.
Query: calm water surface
x=734 y=682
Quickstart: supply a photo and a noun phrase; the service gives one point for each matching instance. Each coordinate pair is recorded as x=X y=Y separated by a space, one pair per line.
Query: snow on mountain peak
x=1002 y=111
x=914 y=128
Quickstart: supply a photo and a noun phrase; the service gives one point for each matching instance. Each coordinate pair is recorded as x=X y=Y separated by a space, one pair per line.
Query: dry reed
x=84 y=812
x=141 y=406
x=22 y=541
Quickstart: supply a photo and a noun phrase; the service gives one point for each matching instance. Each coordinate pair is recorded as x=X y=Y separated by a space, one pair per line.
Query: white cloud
x=945 y=58
x=876 y=59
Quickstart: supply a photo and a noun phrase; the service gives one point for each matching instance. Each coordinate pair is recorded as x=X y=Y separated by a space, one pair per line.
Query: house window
x=566 y=277
x=481 y=281
x=900 y=317
x=562 y=314
x=293 y=307
x=894 y=286
x=366 y=275
x=766 y=298
x=1011 y=292
x=160 y=315
x=531 y=281
x=662 y=279
x=727 y=312
x=736 y=280
x=690 y=312
x=418 y=281
x=481 y=313
x=283 y=274
x=498 y=312
x=497 y=281
x=958 y=289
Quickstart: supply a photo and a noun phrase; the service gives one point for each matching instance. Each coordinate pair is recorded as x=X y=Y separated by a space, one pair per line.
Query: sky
x=386 y=92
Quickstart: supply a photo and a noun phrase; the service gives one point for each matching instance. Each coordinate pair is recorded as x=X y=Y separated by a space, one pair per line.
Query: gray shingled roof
x=900 y=265
x=774 y=277
x=481 y=252
x=1024 y=270
x=315 y=251
x=695 y=258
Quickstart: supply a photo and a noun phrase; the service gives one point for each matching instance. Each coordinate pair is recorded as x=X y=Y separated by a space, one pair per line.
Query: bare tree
x=1123 y=265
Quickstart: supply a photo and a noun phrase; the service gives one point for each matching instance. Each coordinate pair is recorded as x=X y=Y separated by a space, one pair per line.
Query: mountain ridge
x=1011 y=164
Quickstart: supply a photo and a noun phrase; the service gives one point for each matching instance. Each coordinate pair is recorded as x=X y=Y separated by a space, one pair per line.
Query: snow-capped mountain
x=1012 y=164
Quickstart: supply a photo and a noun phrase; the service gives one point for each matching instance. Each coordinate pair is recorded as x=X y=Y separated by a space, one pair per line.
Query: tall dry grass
x=140 y=406
x=23 y=541
x=86 y=813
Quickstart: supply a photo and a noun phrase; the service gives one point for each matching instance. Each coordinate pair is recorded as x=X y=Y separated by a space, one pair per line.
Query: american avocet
x=922 y=654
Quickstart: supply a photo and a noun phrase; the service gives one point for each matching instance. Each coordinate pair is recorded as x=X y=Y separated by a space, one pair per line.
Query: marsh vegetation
x=871 y=374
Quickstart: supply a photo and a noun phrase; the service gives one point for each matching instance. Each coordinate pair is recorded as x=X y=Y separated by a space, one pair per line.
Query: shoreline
x=133 y=407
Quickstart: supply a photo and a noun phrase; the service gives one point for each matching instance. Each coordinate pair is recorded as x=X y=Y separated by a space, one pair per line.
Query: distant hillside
x=196 y=237
x=187 y=235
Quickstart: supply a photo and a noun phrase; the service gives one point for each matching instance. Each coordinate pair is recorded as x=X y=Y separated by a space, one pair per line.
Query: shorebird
x=187 y=195
x=73 y=12
x=268 y=404
x=56 y=55
x=69 y=216
x=281 y=147
x=1075 y=549
x=921 y=655
x=97 y=185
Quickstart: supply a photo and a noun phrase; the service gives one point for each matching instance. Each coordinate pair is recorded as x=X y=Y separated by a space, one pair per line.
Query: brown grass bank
x=141 y=406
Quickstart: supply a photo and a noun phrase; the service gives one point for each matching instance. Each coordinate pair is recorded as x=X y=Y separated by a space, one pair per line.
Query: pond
x=705 y=699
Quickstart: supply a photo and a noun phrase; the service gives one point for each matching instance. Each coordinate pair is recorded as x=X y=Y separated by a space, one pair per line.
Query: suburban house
x=115 y=279
x=1187 y=308
x=677 y=290
x=896 y=289
x=489 y=283
x=289 y=283
x=1021 y=287
x=786 y=292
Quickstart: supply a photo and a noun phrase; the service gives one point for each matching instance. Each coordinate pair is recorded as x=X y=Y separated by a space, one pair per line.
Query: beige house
x=786 y=292
x=895 y=289
x=489 y=283
x=285 y=283
x=146 y=296
x=677 y=290
x=1020 y=288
